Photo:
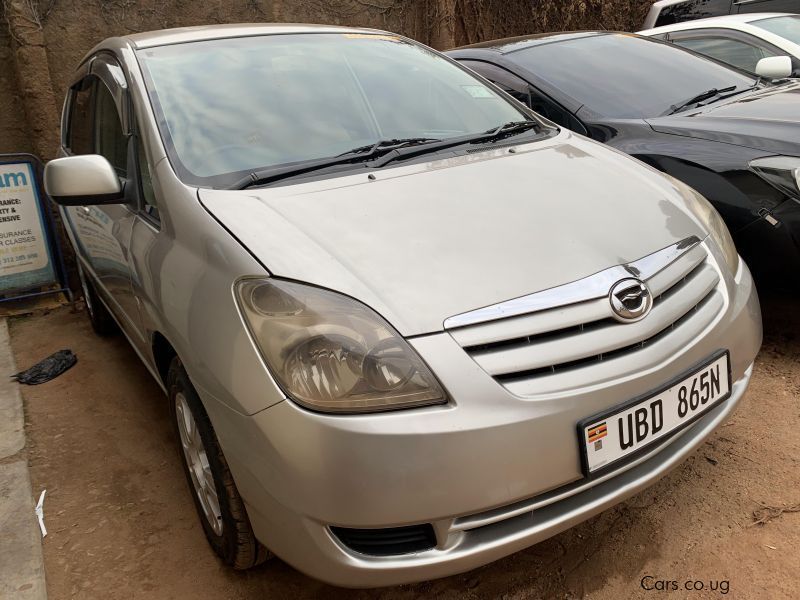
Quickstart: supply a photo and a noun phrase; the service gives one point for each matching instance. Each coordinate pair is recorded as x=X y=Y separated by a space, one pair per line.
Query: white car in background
x=739 y=40
x=667 y=12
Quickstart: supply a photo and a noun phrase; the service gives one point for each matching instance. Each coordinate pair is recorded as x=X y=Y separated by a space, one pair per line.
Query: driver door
x=97 y=124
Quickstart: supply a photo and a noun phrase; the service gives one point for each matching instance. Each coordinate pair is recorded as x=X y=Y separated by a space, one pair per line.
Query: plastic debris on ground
x=40 y=514
x=50 y=368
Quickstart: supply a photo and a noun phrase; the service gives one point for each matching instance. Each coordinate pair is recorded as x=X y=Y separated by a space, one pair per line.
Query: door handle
x=85 y=209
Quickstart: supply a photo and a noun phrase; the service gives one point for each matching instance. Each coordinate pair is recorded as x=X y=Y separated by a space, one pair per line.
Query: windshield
x=786 y=27
x=228 y=107
x=625 y=76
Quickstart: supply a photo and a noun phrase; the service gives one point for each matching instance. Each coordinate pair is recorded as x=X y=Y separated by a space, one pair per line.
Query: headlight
x=782 y=172
x=331 y=353
x=711 y=221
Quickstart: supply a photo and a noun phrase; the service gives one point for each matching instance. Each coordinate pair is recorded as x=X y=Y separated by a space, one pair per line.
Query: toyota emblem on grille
x=630 y=300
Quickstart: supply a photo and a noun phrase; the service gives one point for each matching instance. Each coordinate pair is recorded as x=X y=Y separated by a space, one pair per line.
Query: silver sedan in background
x=406 y=326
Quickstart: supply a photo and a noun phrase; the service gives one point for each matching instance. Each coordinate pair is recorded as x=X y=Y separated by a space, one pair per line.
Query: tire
x=102 y=321
x=218 y=503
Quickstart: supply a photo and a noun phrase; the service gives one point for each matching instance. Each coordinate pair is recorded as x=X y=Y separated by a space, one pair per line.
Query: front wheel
x=219 y=506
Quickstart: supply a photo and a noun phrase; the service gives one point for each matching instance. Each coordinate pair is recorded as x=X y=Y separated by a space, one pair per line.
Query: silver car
x=406 y=326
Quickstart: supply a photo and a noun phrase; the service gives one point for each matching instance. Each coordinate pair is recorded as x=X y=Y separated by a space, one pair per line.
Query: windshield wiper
x=382 y=153
x=511 y=128
x=371 y=149
x=491 y=135
x=360 y=154
x=698 y=98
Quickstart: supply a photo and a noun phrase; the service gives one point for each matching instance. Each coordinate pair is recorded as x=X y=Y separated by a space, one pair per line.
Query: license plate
x=624 y=430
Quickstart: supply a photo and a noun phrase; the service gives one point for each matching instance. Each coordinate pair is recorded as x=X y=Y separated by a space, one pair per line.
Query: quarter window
x=149 y=204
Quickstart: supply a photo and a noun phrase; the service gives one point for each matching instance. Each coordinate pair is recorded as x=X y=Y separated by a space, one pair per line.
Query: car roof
x=513 y=44
x=182 y=35
x=726 y=20
x=665 y=3
x=212 y=32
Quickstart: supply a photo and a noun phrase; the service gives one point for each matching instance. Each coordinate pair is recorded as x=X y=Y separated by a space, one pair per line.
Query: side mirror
x=82 y=180
x=774 y=67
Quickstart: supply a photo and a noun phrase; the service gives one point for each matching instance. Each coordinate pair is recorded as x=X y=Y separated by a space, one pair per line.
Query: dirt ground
x=121 y=522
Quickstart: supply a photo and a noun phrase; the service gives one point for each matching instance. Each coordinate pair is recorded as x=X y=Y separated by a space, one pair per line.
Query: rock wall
x=13 y=123
x=41 y=41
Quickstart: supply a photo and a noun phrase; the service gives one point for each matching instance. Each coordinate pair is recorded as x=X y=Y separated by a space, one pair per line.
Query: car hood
x=424 y=242
x=767 y=120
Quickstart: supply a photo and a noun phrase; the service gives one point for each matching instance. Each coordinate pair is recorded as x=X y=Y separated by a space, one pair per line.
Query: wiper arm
x=494 y=134
x=371 y=149
x=746 y=89
x=698 y=98
x=360 y=154
x=383 y=152
x=511 y=128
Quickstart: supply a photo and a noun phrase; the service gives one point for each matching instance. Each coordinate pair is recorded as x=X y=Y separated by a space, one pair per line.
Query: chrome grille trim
x=554 y=350
x=600 y=369
x=589 y=288
x=531 y=353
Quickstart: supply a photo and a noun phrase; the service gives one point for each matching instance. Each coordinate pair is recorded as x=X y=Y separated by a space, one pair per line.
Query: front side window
x=525 y=93
x=508 y=82
x=79 y=129
x=734 y=52
x=625 y=76
x=109 y=139
x=228 y=107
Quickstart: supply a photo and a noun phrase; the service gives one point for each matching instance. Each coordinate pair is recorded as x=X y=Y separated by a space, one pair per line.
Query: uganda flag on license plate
x=596 y=432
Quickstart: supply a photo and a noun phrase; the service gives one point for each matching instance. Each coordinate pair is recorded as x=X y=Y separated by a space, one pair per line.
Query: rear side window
x=79 y=131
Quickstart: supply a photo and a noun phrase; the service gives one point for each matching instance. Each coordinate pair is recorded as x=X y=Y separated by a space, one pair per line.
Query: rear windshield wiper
x=491 y=135
x=697 y=99
x=360 y=154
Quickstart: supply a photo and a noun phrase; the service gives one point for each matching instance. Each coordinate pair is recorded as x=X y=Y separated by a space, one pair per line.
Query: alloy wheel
x=197 y=462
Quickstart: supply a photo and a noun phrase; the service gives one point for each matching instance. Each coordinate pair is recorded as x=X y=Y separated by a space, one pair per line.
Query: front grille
x=548 y=349
x=387 y=541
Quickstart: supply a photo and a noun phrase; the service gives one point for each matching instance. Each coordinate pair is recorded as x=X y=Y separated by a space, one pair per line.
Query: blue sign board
x=26 y=261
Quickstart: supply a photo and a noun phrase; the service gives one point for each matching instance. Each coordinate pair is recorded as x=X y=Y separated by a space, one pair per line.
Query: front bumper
x=492 y=472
